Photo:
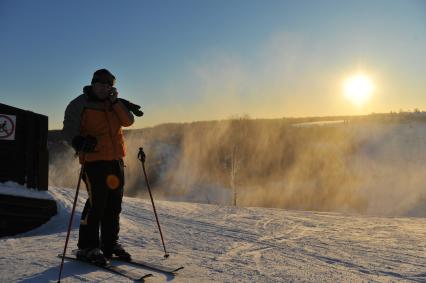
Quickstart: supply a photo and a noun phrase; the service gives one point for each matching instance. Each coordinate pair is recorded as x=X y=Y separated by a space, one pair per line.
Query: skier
x=93 y=126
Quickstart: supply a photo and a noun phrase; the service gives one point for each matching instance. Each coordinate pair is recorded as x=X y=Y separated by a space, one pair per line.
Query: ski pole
x=142 y=157
x=71 y=217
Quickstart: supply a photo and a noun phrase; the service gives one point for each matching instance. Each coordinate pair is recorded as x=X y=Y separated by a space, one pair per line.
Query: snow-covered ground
x=14 y=189
x=228 y=244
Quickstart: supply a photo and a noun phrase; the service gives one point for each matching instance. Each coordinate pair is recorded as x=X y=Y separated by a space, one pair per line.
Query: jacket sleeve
x=72 y=120
x=124 y=115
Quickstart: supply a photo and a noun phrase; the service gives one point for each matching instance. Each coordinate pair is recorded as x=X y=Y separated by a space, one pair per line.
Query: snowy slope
x=227 y=244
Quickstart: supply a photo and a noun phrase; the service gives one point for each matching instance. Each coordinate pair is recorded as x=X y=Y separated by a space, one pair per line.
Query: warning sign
x=7 y=127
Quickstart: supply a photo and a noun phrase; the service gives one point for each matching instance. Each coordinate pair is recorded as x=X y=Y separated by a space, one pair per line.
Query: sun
x=358 y=89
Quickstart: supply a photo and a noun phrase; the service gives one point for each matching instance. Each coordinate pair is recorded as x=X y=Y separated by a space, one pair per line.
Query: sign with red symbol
x=7 y=127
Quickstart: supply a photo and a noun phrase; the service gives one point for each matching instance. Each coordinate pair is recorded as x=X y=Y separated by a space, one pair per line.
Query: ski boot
x=119 y=252
x=94 y=256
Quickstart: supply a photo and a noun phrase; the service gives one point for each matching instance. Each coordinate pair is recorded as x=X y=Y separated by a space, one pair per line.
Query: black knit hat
x=103 y=76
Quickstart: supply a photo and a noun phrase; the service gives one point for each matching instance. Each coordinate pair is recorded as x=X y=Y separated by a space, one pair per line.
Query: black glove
x=134 y=108
x=84 y=144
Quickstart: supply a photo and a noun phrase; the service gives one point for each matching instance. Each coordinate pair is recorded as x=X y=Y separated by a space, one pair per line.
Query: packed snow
x=14 y=189
x=229 y=244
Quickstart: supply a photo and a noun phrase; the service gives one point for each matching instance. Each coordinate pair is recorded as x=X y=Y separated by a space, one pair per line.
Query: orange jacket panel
x=99 y=119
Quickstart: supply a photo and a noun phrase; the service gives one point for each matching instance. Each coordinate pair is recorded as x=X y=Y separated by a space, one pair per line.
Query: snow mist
x=368 y=167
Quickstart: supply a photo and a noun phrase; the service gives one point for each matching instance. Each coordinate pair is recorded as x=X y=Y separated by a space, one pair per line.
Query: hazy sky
x=211 y=59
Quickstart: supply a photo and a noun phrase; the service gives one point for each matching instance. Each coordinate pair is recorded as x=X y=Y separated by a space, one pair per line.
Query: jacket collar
x=88 y=91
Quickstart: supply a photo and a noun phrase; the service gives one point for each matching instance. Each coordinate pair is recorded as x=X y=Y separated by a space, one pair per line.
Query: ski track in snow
x=228 y=244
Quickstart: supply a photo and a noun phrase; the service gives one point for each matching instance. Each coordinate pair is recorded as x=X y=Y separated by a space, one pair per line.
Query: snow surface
x=229 y=244
x=14 y=189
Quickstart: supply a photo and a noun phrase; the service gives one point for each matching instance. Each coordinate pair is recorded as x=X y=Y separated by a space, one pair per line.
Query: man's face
x=102 y=89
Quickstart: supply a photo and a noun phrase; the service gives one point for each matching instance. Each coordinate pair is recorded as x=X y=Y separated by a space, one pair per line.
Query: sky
x=186 y=61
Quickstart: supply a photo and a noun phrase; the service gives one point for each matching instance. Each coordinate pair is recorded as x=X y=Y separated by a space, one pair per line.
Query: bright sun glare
x=358 y=89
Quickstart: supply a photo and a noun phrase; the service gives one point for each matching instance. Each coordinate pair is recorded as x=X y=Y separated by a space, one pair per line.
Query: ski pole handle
x=141 y=155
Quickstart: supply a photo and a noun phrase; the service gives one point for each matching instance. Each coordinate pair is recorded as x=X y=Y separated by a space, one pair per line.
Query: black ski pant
x=104 y=182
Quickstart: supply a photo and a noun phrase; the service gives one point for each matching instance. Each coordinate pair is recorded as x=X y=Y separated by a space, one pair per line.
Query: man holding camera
x=93 y=126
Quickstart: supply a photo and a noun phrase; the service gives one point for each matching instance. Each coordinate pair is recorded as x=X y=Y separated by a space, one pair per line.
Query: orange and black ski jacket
x=101 y=119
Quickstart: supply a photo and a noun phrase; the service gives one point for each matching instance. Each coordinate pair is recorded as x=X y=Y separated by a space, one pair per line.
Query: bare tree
x=235 y=164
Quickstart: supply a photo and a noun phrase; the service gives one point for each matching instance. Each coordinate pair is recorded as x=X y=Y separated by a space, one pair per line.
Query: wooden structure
x=23 y=147
x=24 y=159
x=21 y=214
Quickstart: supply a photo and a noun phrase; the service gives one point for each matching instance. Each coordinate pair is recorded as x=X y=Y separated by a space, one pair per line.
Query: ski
x=152 y=266
x=114 y=269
